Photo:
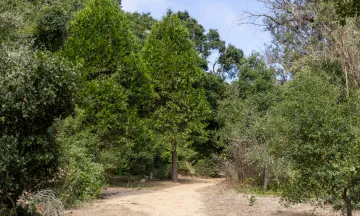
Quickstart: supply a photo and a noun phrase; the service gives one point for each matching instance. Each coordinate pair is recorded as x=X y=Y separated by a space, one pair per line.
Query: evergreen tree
x=115 y=92
x=180 y=105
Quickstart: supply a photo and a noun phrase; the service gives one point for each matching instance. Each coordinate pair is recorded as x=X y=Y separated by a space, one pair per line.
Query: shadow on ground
x=134 y=185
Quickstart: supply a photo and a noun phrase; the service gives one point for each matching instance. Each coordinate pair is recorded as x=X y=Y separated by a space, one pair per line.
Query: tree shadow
x=134 y=185
x=292 y=213
x=192 y=180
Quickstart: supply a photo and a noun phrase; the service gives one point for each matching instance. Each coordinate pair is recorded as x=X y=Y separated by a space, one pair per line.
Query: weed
x=252 y=200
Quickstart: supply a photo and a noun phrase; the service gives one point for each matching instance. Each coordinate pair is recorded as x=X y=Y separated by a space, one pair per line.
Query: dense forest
x=89 y=91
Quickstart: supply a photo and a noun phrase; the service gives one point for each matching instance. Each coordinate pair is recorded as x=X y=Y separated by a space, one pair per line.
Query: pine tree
x=180 y=105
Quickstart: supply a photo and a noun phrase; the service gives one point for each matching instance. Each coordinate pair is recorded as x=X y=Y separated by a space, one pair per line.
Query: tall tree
x=115 y=92
x=308 y=32
x=180 y=105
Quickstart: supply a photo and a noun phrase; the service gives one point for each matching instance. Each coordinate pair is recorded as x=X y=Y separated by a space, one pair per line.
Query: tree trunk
x=266 y=178
x=347 y=202
x=174 y=164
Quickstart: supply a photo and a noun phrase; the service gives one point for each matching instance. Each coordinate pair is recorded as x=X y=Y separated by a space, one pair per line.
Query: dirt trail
x=191 y=197
x=182 y=199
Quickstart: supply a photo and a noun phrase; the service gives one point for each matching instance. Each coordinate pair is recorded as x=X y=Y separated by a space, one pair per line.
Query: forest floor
x=189 y=197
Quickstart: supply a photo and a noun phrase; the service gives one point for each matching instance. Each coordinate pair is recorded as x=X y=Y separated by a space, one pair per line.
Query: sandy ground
x=222 y=200
x=190 y=197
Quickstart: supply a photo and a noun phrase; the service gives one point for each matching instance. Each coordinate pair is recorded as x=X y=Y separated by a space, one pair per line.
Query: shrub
x=207 y=167
x=81 y=177
x=36 y=88
x=43 y=202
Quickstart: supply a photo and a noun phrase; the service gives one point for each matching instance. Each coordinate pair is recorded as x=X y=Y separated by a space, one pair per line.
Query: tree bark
x=174 y=164
x=266 y=178
x=347 y=202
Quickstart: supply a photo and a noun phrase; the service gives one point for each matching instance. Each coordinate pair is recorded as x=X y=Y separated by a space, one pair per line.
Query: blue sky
x=217 y=14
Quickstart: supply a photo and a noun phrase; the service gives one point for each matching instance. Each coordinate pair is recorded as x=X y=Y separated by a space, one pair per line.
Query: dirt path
x=191 y=197
x=223 y=200
x=182 y=199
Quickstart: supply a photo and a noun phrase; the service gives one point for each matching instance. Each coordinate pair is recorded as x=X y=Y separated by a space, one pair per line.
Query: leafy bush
x=319 y=126
x=81 y=177
x=84 y=178
x=36 y=88
x=163 y=172
x=207 y=167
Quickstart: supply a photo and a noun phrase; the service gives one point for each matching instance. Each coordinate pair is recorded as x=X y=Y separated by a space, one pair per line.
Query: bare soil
x=190 y=197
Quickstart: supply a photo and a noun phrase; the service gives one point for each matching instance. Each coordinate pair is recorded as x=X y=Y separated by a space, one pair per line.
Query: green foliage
x=230 y=57
x=141 y=25
x=207 y=167
x=216 y=91
x=104 y=102
x=247 y=132
x=115 y=93
x=196 y=31
x=81 y=176
x=255 y=77
x=319 y=131
x=15 y=18
x=109 y=50
x=229 y=61
x=346 y=9
x=171 y=62
x=35 y=89
x=181 y=106
x=99 y=55
x=214 y=42
x=51 y=27
x=208 y=42
x=252 y=200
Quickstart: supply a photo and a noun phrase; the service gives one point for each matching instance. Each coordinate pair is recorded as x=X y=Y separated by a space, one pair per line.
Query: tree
x=206 y=42
x=318 y=126
x=216 y=90
x=35 y=89
x=141 y=26
x=214 y=42
x=229 y=61
x=255 y=78
x=15 y=17
x=247 y=133
x=346 y=9
x=115 y=92
x=180 y=105
x=51 y=28
x=51 y=24
x=308 y=32
x=109 y=52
